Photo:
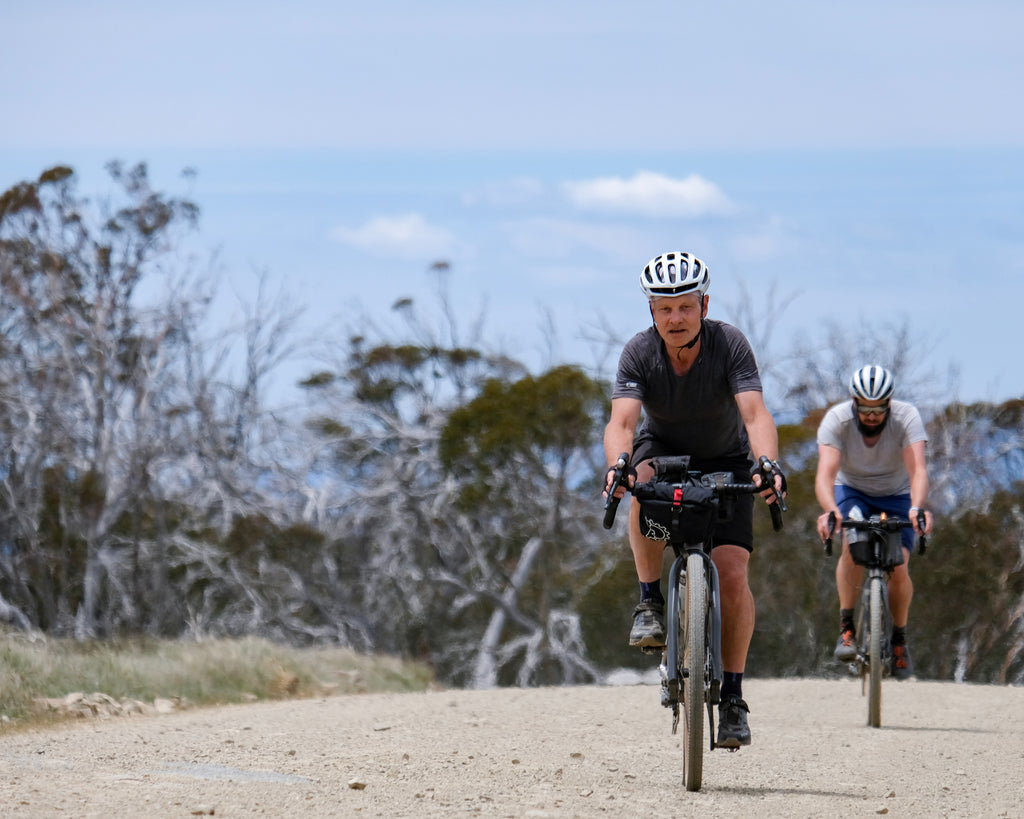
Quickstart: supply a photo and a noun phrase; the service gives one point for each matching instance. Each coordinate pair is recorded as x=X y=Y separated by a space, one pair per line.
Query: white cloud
x=407 y=236
x=651 y=194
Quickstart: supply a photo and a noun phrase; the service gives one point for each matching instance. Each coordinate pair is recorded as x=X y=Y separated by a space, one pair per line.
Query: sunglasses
x=862 y=410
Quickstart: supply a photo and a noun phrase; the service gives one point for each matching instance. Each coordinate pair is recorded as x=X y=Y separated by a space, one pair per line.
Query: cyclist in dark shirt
x=694 y=383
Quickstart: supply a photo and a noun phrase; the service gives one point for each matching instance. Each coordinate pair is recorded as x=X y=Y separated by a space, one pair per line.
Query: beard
x=871 y=432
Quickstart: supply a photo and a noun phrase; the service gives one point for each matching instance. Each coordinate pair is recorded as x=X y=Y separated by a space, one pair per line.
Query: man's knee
x=731 y=562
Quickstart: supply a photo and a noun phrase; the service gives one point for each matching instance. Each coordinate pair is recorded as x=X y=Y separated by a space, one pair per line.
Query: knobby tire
x=694 y=641
x=875 y=654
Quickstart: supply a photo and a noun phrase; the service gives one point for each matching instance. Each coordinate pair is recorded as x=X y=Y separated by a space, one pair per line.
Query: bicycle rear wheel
x=693 y=637
x=875 y=654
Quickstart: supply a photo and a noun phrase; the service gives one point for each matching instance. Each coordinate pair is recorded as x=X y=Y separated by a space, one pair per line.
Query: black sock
x=899 y=636
x=732 y=685
x=846 y=620
x=652 y=592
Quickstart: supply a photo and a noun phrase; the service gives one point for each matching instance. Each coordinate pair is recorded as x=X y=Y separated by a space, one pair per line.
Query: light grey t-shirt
x=693 y=414
x=877 y=470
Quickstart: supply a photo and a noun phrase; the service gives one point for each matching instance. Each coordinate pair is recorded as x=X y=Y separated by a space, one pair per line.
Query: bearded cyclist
x=696 y=382
x=871 y=457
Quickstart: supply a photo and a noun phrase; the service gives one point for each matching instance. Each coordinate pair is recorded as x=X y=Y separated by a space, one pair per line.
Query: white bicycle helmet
x=872 y=383
x=674 y=274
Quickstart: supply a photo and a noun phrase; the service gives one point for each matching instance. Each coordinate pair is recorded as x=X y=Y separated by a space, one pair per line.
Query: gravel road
x=944 y=750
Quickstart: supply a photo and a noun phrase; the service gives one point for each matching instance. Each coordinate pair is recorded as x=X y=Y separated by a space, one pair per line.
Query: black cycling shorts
x=739 y=530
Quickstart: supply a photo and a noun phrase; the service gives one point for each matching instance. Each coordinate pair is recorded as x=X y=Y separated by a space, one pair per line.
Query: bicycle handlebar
x=664 y=466
x=878 y=522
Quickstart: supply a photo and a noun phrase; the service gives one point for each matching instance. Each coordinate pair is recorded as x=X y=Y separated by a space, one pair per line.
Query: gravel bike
x=686 y=505
x=875 y=544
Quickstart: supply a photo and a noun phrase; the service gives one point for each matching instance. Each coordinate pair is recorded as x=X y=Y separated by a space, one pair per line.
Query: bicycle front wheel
x=694 y=642
x=875 y=654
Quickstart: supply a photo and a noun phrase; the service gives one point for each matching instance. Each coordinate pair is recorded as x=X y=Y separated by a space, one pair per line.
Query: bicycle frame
x=692 y=673
x=874 y=617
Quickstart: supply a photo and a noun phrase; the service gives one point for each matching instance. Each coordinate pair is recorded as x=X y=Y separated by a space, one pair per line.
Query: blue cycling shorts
x=847 y=497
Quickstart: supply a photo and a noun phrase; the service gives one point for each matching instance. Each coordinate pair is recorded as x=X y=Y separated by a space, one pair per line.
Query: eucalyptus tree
x=525 y=453
x=80 y=371
x=450 y=489
x=126 y=436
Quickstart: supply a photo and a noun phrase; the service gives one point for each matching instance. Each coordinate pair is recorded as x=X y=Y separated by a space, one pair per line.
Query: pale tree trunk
x=485 y=672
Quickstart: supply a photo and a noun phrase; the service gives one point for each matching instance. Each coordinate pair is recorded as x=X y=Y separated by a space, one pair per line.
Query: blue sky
x=863 y=161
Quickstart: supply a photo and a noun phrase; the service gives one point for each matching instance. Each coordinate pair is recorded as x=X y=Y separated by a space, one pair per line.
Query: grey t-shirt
x=693 y=414
x=877 y=470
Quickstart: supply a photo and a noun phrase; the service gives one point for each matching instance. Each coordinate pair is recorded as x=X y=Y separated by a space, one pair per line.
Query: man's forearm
x=617 y=441
x=764 y=437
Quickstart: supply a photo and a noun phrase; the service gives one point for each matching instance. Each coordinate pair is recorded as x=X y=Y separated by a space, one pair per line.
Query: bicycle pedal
x=652 y=649
x=730 y=748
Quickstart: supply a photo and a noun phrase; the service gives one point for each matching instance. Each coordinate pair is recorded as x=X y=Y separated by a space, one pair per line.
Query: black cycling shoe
x=902 y=666
x=733 y=730
x=648 y=625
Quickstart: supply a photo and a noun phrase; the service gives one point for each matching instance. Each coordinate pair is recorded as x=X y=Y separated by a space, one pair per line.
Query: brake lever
x=831 y=529
x=922 y=540
x=767 y=470
x=611 y=503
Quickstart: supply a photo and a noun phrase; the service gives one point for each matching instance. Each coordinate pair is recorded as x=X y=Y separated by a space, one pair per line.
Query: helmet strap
x=700 y=330
x=696 y=338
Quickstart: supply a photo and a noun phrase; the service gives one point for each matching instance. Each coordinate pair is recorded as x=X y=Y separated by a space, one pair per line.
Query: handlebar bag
x=690 y=519
x=890 y=548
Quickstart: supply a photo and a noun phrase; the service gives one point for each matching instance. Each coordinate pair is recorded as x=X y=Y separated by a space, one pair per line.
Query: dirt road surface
x=944 y=750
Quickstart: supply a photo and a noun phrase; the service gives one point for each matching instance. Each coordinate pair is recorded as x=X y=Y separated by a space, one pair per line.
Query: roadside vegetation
x=44 y=680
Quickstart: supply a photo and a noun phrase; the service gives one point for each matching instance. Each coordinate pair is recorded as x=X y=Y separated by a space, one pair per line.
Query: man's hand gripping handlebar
x=616 y=477
x=766 y=470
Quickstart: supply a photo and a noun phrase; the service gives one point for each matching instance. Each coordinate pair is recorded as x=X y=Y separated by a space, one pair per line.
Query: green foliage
x=793 y=583
x=793 y=436
x=255 y=536
x=540 y=418
x=1007 y=415
x=968 y=614
x=318 y=379
x=385 y=374
x=606 y=607
x=328 y=428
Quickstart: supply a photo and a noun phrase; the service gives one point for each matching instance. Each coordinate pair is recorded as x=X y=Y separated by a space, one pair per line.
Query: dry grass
x=36 y=668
